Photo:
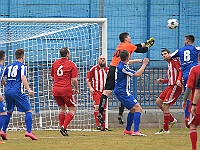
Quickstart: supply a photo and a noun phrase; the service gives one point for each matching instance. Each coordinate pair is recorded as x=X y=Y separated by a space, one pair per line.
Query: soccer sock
x=104 y=117
x=136 y=120
x=193 y=138
x=2 y=118
x=166 y=121
x=61 y=117
x=121 y=109
x=102 y=103
x=129 y=121
x=171 y=118
x=95 y=117
x=28 y=121
x=68 y=117
x=6 y=122
x=186 y=109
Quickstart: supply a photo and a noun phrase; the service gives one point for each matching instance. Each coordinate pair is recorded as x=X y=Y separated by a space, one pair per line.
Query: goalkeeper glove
x=149 y=42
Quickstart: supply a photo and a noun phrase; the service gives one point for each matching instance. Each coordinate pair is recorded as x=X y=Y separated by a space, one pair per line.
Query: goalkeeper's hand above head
x=149 y=42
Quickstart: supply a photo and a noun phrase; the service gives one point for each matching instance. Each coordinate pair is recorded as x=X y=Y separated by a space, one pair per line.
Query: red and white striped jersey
x=97 y=77
x=174 y=71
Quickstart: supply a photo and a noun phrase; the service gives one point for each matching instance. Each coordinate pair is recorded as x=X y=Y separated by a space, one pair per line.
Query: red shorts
x=96 y=98
x=171 y=94
x=195 y=120
x=68 y=100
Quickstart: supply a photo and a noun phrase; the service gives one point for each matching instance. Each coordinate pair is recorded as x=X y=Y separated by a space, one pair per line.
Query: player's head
x=64 y=52
x=19 y=54
x=189 y=39
x=102 y=61
x=2 y=55
x=125 y=37
x=124 y=55
x=165 y=54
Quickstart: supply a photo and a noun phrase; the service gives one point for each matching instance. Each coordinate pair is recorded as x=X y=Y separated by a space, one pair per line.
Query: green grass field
x=178 y=139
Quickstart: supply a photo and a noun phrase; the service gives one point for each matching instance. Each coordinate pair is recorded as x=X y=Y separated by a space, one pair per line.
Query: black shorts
x=110 y=81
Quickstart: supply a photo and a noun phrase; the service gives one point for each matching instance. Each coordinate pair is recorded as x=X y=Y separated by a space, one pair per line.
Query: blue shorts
x=2 y=107
x=17 y=99
x=128 y=101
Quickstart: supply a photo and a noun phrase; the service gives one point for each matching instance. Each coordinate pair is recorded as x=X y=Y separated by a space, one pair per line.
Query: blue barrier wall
x=142 y=19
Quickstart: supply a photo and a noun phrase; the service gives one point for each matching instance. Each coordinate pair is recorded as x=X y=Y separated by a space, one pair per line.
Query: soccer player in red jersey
x=96 y=79
x=169 y=96
x=125 y=44
x=194 y=118
x=64 y=73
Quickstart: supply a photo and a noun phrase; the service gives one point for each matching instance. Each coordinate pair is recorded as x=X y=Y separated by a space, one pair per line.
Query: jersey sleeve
x=74 y=71
x=23 y=70
x=132 y=48
x=128 y=71
x=90 y=75
x=175 y=54
x=191 y=79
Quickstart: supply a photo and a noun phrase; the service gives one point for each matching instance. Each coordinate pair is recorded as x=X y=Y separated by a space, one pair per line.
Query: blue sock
x=136 y=120
x=2 y=119
x=186 y=109
x=6 y=122
x=28 y=121
x=129 y=121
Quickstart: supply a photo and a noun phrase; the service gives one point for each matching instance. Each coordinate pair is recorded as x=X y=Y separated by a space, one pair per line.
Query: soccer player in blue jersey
x=2 y=106
x=16 y=77
x=188 y=58
x=122 y=91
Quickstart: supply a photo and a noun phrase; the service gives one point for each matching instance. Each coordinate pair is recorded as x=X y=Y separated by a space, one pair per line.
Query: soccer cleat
x=3 y=135
x=120 y=118
x=100 y=118
x=63 y=131
x=31 y=135
x=171 y=124
x=99 y=128
x=106 y=129
x=150 y=42
x=128 y=132
x=138 y=134
x=162 y=131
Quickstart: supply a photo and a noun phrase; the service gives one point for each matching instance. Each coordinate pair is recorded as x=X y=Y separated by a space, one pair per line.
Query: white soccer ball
x=172 y=23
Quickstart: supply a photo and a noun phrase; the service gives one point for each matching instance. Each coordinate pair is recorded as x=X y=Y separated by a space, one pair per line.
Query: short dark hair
x=124 y=54
x=190 y=37
x=165 y=50
x=64 y=51
x=2 y=55
x=19 y=53
x=123 y=35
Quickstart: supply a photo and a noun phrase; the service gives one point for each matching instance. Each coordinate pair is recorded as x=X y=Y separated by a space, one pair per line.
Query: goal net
x=42 y=38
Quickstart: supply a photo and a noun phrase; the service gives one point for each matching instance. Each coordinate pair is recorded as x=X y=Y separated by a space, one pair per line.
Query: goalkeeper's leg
x=120 y=116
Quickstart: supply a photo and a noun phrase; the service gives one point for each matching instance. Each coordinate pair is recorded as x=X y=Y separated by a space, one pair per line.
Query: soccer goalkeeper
x=125 y=44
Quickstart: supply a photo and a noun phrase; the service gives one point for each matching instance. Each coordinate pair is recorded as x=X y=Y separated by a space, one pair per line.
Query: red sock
x=166 y=121
x=104 y=117
x=61 y=118
x=68 y=118
x=171 y=118
x=95 y=117
x=193 y=138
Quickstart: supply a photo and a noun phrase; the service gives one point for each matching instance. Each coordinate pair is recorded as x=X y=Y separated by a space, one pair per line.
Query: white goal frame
x=103 y=33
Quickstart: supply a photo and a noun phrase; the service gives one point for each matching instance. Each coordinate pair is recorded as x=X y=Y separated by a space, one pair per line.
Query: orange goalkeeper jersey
x=122 y=46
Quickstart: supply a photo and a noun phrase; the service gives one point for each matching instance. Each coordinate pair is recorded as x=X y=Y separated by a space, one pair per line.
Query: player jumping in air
x=188 y=58
x=125 y=44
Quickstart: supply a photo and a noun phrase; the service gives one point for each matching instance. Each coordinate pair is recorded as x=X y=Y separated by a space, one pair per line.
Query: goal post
x=42 y=38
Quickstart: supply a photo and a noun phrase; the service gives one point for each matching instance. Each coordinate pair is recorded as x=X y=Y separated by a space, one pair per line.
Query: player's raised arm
x=144 y=47
x=141 y=70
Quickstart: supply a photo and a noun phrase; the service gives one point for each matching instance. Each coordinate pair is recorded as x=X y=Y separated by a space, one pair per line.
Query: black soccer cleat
x=120 y=118
x=63 y=132
x=100 y=119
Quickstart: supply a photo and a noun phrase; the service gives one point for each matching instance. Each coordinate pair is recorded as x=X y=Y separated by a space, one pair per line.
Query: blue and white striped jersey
x=122 y=77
